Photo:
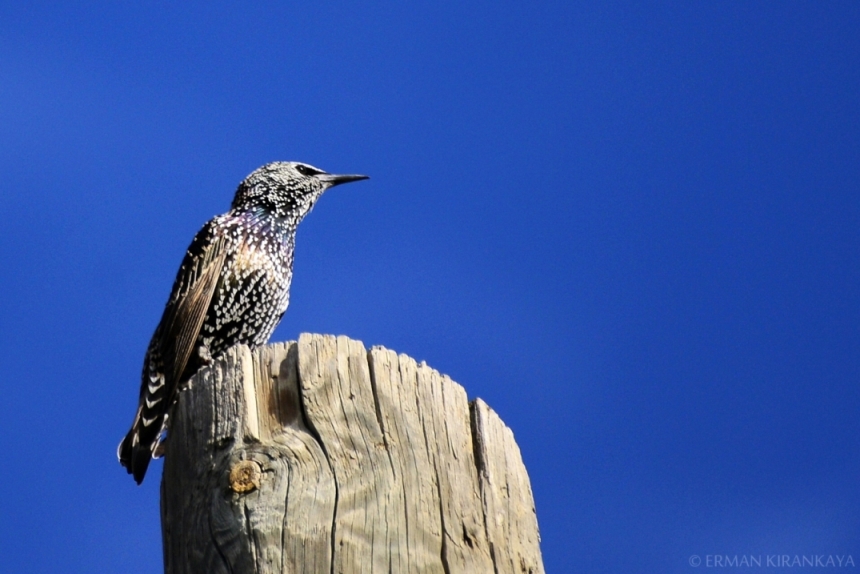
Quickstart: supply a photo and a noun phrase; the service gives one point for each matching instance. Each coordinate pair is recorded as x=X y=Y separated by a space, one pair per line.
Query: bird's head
x=286 y=189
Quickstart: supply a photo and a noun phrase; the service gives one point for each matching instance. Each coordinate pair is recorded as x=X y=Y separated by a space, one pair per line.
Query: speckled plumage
x=233 y=287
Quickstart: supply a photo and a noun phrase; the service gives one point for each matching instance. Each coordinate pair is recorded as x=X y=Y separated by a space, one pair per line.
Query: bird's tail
x=137 y=448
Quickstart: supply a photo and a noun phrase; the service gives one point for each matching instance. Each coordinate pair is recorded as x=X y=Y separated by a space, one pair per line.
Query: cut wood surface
x=319 y=456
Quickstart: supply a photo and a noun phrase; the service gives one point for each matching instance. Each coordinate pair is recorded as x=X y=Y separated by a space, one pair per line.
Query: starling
x=233 y=287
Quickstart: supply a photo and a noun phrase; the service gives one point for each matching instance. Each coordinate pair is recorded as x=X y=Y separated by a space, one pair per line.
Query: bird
x=233 y=287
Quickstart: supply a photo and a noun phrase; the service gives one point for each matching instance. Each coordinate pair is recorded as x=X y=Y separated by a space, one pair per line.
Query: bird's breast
x=251 y=295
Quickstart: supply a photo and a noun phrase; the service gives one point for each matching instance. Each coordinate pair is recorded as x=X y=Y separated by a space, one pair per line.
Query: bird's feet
x=204 y=355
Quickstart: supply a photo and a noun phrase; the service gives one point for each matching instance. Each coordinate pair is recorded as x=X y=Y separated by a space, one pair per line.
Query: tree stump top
x=321 y=456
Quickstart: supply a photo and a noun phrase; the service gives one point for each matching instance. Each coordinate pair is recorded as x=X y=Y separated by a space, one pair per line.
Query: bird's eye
x=305 y=170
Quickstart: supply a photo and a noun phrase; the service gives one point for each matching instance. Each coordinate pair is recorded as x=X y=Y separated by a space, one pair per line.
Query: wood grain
x=342 y=461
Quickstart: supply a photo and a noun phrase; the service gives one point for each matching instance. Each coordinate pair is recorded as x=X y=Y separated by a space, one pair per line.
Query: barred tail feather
x=136 y=450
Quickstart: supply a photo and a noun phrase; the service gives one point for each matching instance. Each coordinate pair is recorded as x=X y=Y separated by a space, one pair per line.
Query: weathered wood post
x=319 y=456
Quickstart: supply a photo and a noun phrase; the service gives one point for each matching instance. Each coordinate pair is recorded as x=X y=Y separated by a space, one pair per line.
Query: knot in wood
x=245 y=476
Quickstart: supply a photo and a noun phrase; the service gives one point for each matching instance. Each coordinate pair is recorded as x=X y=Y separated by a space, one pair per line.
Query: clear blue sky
x=634 y=231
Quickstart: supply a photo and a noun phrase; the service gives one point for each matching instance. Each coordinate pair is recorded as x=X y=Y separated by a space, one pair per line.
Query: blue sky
x=632 y=230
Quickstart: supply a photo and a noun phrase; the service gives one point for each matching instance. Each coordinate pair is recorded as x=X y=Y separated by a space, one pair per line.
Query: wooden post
x=320 y=456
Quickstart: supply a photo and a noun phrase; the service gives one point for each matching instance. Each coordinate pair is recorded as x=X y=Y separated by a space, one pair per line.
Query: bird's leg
x=159 y=449
x=204 y=355
x=160 y=446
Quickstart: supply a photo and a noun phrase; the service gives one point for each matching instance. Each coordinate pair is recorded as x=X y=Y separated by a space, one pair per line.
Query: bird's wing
x=172 y=345
x=192 y=293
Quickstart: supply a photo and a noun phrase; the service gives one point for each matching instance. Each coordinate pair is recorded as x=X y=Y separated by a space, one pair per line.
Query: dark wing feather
x=172 y=346
x=185 y=315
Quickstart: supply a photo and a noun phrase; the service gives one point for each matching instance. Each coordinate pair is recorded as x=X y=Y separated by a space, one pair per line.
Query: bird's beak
x=334 y=180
